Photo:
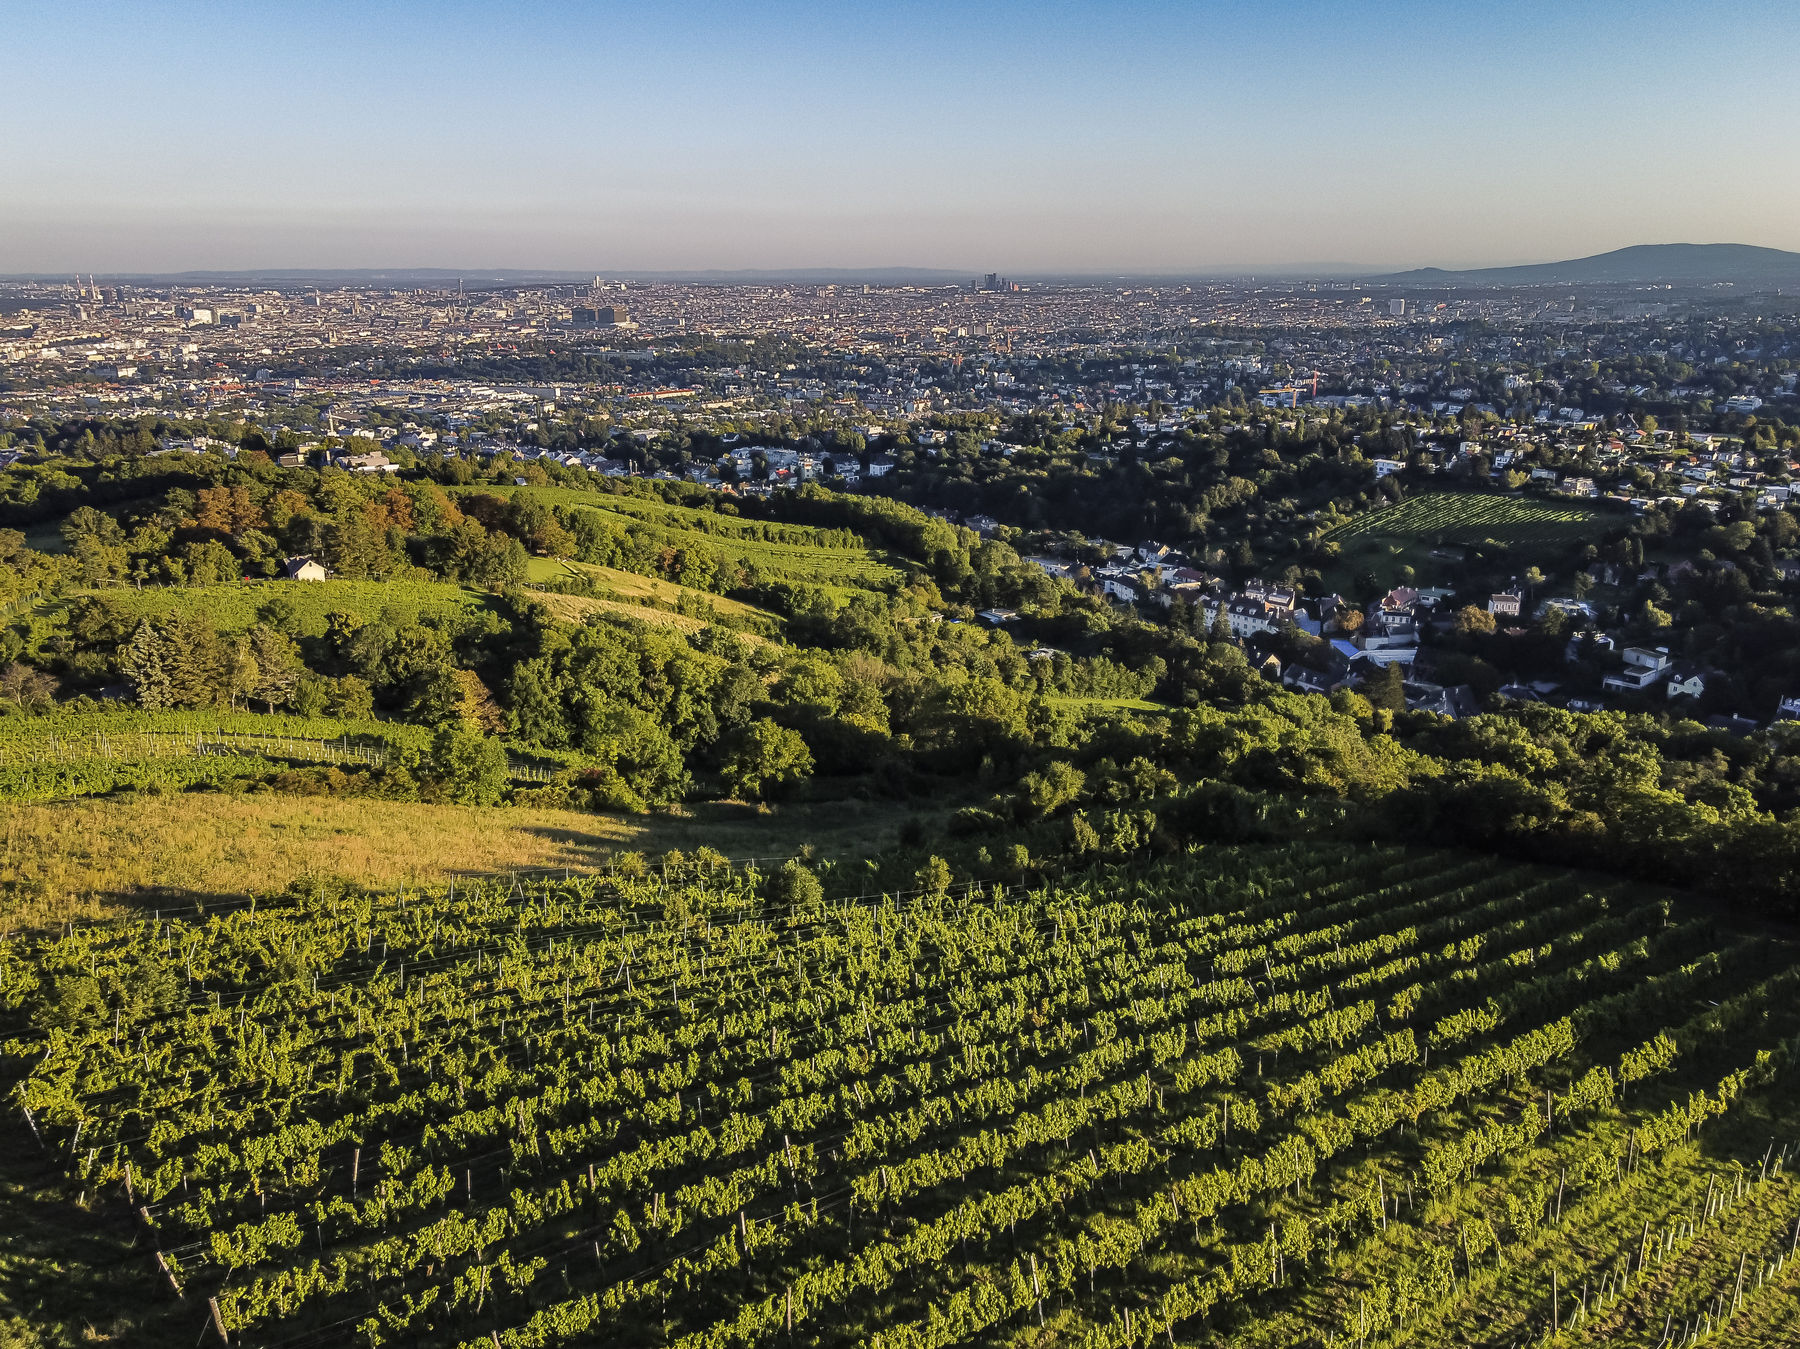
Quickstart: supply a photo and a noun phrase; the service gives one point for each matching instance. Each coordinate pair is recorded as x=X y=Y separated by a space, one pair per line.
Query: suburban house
x=374 y=461
x=1644 y=667
x=1282 y=597
x=1243 y=616
x=1389 y=636
x=1506 y=603
x=1687 y=680
x=1455 y=700
x=1305 y=679
x=1589 y=640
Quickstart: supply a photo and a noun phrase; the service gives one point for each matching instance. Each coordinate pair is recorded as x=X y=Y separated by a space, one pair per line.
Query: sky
x=1125 y=137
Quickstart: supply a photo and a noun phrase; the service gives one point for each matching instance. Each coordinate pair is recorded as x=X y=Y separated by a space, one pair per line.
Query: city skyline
x=1077 y=139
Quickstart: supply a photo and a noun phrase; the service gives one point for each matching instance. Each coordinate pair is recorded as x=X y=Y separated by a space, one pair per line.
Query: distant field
x=233 y=607
x=1110 y=704
x=656 y=512
x=838 y=569
x=576 y=608
x=628 y=585
x=1464 y=518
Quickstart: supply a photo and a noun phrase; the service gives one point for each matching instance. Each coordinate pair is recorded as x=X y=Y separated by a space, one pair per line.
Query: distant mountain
x=1641 y=264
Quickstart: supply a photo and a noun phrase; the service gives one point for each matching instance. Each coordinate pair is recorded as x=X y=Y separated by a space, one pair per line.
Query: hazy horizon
x=1137 y=138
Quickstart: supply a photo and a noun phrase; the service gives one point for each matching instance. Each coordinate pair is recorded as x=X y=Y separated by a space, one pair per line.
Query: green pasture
x=236 y=606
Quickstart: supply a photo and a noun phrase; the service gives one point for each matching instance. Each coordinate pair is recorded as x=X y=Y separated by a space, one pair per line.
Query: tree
x=469 y=553
x=1083 y=837
x=239 y=669
x=1472 y=620
x=534 y=696
x=278 y=666
x=145 y=661
x=766 y=758
x=934 y=876
x=210 y=562
x=1047 y=791
x=28 y=688
x=1387 y=689
x=228 y=510
x=643 y=764
x=280 y=613
x=469 y=768
x=196 y=660
x=354 y=549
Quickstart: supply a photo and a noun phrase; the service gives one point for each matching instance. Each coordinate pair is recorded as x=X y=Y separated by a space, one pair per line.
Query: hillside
x=1647 y=264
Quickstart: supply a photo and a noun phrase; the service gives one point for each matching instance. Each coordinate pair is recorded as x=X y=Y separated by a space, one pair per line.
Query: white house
x=1687 y=680
x=1644 y=668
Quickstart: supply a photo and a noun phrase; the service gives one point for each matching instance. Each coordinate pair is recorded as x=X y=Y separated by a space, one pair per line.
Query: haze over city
x=1130 y=136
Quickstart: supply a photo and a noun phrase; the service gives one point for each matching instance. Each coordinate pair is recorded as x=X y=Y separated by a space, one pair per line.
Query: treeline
x=1670 y=802
x=1236 y=491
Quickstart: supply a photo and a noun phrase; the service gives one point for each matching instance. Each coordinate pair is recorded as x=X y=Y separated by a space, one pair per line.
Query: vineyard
x=61 y=755
x=1466 y=517
x=1306 y=1095
x=793 y=553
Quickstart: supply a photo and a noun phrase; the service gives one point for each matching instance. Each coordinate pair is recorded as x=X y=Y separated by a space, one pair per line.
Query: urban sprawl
x=1586 y=408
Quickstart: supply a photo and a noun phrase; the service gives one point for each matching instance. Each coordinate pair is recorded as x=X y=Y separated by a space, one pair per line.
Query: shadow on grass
x=170 y=901
x=79 y=1275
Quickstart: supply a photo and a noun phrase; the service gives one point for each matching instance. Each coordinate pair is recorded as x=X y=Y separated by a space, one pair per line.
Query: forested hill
x=584 y=643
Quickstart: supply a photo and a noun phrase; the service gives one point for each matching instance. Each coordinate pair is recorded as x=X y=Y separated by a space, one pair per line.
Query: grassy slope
x=1112 y=704
x=233 y=607
x=91 y=858
x=27 y=735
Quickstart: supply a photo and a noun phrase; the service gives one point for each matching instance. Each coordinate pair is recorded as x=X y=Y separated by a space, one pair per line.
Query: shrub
x=795 y=885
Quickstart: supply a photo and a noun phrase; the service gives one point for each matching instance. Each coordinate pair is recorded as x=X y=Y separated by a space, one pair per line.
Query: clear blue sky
x=1023 y=137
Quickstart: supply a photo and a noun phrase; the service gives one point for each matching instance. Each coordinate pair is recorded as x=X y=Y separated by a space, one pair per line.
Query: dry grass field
x=94 y=858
